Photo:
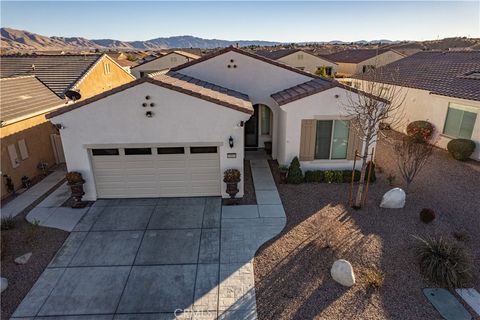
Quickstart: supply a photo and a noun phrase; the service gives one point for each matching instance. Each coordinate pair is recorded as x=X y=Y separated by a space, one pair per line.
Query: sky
x=282 y=21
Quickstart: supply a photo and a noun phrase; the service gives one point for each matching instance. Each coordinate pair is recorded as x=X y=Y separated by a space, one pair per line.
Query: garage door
x=156 y=171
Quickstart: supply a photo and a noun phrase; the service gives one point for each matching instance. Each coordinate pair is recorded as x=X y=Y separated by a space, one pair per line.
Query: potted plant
x=283 y=169
x=268 y=147
x=231 y=177
x=75 y=181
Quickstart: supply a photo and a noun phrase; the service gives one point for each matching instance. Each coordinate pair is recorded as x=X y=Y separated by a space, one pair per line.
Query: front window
x=460 y=121
x=331 y=139
x=265 y=115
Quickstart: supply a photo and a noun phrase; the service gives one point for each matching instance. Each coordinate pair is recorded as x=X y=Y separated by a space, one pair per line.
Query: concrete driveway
x=168 y=258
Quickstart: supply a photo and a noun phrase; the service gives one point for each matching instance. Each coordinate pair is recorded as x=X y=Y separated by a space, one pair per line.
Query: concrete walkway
x=24 y=200
x=146 y=258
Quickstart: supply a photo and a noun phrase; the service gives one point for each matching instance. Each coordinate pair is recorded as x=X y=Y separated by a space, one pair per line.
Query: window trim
x=463 y=108
x=331 y=141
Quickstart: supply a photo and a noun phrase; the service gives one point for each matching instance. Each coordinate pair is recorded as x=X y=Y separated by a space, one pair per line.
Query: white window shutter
x=23 y=149
x=12 y=152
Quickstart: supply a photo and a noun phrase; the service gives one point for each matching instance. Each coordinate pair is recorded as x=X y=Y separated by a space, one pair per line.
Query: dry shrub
x=7 y=223
x=461 y=235
x=374 y=278
x=443 y=262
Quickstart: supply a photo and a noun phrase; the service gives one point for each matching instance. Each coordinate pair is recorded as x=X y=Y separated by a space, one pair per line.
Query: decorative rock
x=393 y=199
x=23 y=259
x=4 y=284
x=342 y=272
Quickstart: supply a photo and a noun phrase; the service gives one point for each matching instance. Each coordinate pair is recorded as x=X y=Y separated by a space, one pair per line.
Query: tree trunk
x=363 y=172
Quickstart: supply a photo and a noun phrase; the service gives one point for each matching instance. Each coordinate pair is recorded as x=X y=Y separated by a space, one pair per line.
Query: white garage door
x=156 y=171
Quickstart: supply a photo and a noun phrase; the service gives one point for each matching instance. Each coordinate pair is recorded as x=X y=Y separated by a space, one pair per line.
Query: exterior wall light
x=149 y=114
x=230 y=142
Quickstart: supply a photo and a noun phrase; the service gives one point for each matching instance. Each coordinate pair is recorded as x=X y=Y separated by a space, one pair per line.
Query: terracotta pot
x=283 y=176
x=77 y=193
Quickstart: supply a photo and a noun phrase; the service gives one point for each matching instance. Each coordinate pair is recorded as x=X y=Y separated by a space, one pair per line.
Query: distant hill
x=19 y=40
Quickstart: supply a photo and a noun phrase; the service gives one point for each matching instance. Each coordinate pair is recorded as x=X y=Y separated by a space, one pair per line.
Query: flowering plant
x=231 y=176
x=421 y=131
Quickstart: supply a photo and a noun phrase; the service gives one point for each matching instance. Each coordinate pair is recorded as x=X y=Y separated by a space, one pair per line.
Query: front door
x=251 y=130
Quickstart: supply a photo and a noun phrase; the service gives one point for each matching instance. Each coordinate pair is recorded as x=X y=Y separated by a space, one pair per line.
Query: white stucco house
x=164 y=62
x=174 y=134
x=440 y=87
x=357 y=61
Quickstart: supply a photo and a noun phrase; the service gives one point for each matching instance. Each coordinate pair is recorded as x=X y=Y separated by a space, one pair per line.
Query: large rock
x=23 y=259
x=342 y=272
x=4 y=284
x=393 y=199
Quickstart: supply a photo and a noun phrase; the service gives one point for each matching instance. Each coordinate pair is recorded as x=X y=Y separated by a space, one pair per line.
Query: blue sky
x=271 y=20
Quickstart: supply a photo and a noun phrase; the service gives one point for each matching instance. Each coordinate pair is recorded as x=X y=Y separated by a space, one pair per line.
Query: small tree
x=322 y=72
x=367 y=106
x=295 y=174
x=412 y=156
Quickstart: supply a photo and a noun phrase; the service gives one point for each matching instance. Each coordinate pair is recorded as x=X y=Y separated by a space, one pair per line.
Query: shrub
x=74 y=177
x=427 y=215
x=314 y=176
x=421 y=131
x=7 y=223
x=283 y=168
x=338 y=176
x=374 y=279
x=461 y=235
x=461 y=149
x=231 y=176
x=443 y=262
x=295 y=175
x=329 y=176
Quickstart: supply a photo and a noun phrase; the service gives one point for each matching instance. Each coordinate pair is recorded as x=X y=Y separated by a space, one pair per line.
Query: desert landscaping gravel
x=292 y=271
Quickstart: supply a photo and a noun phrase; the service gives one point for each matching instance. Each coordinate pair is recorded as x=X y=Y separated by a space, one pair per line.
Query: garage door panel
x=157 y=175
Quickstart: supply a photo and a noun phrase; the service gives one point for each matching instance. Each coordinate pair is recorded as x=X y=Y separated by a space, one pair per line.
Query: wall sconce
x=230 y=142
x=149 y=114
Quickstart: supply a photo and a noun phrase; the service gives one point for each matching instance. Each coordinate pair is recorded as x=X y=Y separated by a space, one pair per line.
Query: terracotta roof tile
x=355 y=55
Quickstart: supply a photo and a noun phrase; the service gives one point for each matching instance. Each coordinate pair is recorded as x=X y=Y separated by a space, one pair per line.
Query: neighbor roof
x=246 y=53
x=355 y=55
x=180 y=83
x=59 y=72
x=278 y=54
x=182 y=53
x=443 y=73
x=22 y=97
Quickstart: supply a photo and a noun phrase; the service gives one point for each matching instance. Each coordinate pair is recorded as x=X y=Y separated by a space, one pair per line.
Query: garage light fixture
x=230 y=142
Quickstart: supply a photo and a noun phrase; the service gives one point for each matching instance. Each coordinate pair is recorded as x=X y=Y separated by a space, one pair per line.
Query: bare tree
x=412 y=156
x=372 y=103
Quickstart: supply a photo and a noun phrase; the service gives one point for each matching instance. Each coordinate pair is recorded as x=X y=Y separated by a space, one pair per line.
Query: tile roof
x=187 y=55
x=58 y=72
x=246 y=53
x=180 y=83
x=276 y=54
x=22 y=97
x=443 y=73
x=302 y=90
x=354 y=55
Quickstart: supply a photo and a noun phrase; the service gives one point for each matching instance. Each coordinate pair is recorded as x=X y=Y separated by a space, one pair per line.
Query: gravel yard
x=292 y=271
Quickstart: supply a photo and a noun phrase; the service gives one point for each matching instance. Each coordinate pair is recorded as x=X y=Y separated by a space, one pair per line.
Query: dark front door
x=251 y=130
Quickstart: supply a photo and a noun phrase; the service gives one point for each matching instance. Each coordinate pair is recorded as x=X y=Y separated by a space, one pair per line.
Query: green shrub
x=329 y=176
x=421 y=131
x=461 y=149
x=295 y=175
x=427 y=215
x=338 y=176
x=443 y=262
x=7 y=223
x=314 y=176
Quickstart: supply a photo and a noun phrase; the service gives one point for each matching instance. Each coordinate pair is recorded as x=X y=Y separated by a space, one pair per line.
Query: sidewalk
x=24 y=200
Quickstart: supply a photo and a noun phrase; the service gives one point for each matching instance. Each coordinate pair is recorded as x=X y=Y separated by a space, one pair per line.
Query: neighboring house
x=175 y=134
x=167 y=61
x=301 y=59
x=86 y=74
x=356 y=61
x=27 y=138
x=440 y=87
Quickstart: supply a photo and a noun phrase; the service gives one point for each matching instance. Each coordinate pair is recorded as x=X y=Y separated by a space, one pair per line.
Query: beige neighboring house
x=300 y=59
x=440 y=87
x=356 y=61
x=167 y=61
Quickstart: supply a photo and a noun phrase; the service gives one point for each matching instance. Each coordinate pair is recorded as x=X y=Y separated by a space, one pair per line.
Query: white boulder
x=23 y=259
x=342 y=272
x=4 y=284
x=393 y=199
